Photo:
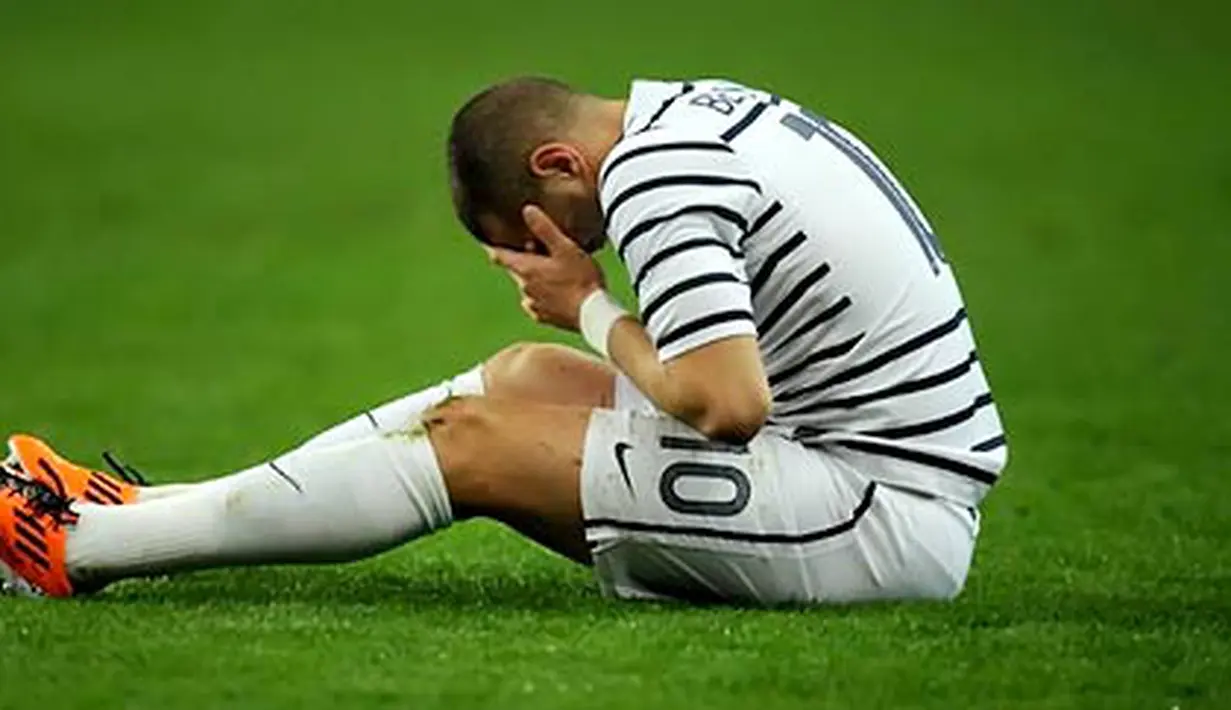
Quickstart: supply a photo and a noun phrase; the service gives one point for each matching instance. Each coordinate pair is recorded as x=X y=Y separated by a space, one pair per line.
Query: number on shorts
x=807 y=124
x=667 y=488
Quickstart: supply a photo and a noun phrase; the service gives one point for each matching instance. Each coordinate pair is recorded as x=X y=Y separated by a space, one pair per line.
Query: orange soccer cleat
x=35 y=459
x=33 y=520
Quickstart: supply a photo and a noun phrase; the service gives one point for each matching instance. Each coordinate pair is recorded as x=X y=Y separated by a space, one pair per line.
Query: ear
x=556 y=159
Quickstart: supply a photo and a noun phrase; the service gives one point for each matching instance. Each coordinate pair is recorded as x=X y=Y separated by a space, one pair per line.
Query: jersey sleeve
x=676 y=208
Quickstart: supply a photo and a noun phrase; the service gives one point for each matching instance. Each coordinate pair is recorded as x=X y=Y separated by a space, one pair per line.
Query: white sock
x=389 y=417
x=402 y=413
x=326 y=503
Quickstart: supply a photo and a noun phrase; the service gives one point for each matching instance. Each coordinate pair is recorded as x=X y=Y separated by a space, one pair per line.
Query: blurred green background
x=225 y=225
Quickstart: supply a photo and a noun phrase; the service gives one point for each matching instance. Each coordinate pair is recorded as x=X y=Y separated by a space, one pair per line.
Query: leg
x=358 y=495
x=515 y=462
x=673 y=516
x=551 y=374
x=678 y=516
x=531 y=372
x=536 y=372
x=328 y=504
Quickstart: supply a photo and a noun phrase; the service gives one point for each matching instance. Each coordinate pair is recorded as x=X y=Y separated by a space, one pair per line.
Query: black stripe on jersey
x=775 y=257
x=742 y=125
x=919 y=457
x=761 y=221
x=682 y=443
x=991 y=444
x=792 y=298
x=657 y=147
x=835 y=350
x=813 y=323
x=932 y=426
x=645 y=226
x=898 y=351
x=681 y=287
x=675 y=181
x=700 y=324
x=685 y=89
x=739 y=536
x=372 y=419
x=680 y=248
x=858 y=400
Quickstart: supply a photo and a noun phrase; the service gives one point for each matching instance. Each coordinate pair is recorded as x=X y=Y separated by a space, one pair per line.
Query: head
x=530 y=140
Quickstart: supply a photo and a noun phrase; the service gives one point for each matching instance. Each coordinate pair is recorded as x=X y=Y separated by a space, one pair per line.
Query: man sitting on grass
x=796 y=414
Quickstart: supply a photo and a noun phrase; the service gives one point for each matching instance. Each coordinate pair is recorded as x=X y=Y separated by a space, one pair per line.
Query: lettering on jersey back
x=723 y=99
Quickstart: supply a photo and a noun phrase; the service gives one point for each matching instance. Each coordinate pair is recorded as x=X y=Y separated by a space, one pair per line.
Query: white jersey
x=741 y=213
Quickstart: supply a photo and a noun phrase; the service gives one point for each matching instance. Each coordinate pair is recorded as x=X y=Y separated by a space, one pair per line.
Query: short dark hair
x=490 y=142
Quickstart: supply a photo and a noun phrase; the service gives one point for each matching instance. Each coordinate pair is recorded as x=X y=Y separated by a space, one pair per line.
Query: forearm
x=632 y=351
x=608 y=328
x=719 y=388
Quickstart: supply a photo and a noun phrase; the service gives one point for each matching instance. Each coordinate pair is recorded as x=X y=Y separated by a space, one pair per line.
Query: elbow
x=735 y=420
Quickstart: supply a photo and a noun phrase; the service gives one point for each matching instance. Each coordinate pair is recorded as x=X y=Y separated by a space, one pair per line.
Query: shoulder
x=666 y=170
x=661 y=149
x=685 y=128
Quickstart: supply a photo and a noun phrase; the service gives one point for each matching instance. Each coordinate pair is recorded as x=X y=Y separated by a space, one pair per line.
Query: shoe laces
x=42 y=498
x=127 y=473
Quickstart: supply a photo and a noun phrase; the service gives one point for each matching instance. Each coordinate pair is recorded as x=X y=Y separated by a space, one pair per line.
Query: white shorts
x=670 y=515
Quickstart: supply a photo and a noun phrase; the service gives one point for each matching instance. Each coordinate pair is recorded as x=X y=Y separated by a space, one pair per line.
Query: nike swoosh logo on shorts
x=621 y=450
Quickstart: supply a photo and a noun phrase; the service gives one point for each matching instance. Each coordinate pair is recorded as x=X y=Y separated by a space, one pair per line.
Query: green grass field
x=225 y=225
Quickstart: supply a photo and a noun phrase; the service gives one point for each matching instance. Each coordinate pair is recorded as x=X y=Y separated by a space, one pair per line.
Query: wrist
x=598 y=315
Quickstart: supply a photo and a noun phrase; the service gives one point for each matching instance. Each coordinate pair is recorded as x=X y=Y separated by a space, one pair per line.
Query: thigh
x=670 y=515
x=516 y=461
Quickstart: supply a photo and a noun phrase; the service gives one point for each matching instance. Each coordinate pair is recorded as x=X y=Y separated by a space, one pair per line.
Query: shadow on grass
x=1118 y=609
x=453 y=589
x=564 y=589
x=1175 y=605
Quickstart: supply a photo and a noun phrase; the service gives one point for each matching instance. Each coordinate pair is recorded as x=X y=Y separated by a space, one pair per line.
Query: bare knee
x=521 y=366
x=549 y=373
x=508 y=366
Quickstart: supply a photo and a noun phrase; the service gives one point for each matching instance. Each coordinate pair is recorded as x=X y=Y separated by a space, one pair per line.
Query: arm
x=719 y=389
x=676 y=210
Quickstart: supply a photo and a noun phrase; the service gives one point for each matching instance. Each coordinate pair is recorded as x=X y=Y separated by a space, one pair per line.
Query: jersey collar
x=645 y=98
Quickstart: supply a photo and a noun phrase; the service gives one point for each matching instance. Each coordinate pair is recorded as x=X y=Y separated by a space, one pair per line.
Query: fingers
x=546 y=230
x=517 y=262
x=528 y=307
x=548 y=234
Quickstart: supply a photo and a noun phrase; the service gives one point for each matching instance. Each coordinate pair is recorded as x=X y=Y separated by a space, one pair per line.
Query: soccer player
x=795 y=414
